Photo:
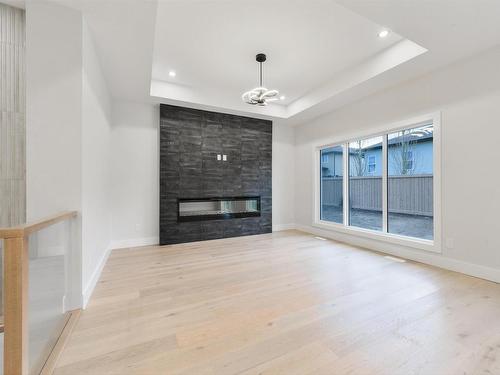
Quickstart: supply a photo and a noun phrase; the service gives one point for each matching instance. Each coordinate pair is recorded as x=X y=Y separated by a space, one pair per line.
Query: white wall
x=135 y=181
x=96 y=181
x=468 y=94
x=283 y=176
x=134 y=168
x=68 y=136
x=53 y=123
x=54 y=112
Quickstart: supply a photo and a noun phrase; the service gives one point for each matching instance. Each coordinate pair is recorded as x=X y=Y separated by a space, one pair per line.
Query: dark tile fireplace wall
x=190 y=141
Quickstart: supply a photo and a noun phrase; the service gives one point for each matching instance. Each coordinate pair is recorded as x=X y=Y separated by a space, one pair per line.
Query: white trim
x=391 y=238
x=380 y=130
x=385 y=204
x=135 y=242
x=316 y=168
x=280 y=227
x=437 y=168
x=89 y=288
x=433 y=259
x=428 y=245
x=345 y=182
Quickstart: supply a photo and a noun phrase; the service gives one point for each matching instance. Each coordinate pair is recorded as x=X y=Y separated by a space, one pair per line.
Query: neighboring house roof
x=412 y=138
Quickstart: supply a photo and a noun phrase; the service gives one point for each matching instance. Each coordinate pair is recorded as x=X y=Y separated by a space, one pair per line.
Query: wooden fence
x=406 y=194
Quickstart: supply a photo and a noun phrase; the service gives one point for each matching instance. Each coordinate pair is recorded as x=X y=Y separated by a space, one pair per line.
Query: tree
x=403 y=154
x=357 y=156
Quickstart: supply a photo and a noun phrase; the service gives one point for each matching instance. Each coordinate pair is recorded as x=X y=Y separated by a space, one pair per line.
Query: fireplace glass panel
x=218 y=208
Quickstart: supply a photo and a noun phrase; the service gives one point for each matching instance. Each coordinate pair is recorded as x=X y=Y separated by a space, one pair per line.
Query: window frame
x=422 y=244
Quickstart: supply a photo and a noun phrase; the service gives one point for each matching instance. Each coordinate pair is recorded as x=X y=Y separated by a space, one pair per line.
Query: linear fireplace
x=215 y=175
x=196 y=209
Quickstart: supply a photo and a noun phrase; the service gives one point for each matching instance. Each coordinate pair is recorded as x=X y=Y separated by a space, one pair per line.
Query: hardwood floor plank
x=282 y=303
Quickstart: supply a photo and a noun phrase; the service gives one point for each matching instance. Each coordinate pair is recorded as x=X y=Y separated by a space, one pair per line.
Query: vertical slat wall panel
x=12 y=116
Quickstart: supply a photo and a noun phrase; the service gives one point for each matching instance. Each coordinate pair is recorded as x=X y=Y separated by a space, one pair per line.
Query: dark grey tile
x=189 y=143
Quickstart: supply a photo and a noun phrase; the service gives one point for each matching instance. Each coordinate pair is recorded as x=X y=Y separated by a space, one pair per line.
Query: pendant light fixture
x=260 y=95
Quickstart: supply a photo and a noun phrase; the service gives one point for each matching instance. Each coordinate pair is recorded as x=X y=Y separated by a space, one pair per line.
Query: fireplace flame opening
x=215 y=208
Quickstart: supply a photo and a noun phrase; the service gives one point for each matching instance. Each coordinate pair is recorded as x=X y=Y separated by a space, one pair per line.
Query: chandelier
x=260 y=95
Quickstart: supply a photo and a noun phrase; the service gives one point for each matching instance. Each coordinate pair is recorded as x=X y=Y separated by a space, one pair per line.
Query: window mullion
x=346 y=184
x=384 y=184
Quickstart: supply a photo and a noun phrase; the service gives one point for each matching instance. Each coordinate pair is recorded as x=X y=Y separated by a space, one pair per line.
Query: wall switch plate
x=219 y=157
x=224 y=157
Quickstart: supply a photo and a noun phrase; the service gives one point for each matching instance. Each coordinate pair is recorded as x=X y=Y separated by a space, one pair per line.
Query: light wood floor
x=285 y=303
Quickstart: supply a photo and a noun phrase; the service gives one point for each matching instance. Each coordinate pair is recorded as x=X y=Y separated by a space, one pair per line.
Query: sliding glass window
x=365 y=183
x=398 y=164
x=410 y=182
x=332 y=185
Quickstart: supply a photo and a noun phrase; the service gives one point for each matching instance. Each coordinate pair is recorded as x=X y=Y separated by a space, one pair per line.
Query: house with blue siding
x=408 y=154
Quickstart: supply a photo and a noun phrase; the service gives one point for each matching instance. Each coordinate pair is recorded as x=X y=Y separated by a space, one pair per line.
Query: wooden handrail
x=29 y=228
x=16 y=279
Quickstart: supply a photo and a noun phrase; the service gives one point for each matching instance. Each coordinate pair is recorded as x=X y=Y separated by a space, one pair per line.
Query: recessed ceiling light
x=172 y=73
x=282 y=97
x=383 y=33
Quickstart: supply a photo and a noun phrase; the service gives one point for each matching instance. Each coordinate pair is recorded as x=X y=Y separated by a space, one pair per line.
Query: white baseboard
x=476 y=270
x=89 y=288
x=134 y=242
x=280 y=227
x=433 y=259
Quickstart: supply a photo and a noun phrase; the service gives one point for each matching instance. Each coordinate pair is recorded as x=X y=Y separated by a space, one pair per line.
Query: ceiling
x=213 y=44
x=123 y=32
x=323 y=54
